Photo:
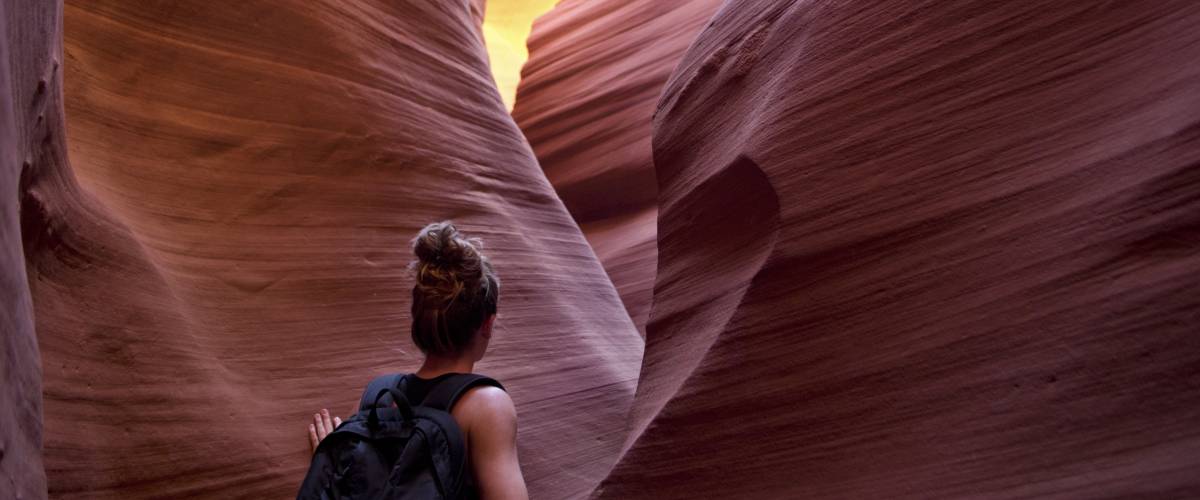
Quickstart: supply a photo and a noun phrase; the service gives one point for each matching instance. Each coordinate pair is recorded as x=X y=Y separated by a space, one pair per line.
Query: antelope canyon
x=25 y=66
x=747 y=248
x=216 y=241
x=585 y=101
x=925 y=250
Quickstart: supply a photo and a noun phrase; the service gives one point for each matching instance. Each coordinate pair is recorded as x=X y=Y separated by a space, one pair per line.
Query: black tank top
x=417 y=388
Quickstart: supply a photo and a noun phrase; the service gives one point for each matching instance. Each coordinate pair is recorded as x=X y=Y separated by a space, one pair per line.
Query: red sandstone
x=904 y=250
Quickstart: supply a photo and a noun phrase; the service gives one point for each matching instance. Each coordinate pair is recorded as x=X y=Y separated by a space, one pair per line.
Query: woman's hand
x=322 y=425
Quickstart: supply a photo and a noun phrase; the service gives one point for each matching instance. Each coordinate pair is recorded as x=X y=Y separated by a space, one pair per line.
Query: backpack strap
x=446 y=393
x=378 y=384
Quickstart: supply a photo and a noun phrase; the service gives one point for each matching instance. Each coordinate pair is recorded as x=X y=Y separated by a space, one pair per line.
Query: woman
x=453 y=310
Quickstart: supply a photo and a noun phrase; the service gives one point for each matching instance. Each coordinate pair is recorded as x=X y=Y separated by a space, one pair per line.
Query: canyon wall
x=909 y=250
x=26 y=69
x=224 y=252
x=926 y=250
x=585 y=101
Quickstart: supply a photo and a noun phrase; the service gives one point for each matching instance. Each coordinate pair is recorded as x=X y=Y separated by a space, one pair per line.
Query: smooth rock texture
x=926 y=250
x=585 y=101
x=26 y=68
x=905 y=249
x=225 y=251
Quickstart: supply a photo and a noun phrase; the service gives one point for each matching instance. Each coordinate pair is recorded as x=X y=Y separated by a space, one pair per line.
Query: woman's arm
x=492 y=443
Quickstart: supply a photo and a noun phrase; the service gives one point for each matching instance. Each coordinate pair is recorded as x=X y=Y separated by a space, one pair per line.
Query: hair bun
x=455 y=289
x=440 y=245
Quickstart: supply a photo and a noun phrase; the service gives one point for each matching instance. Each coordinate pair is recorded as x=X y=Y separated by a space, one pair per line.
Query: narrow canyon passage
x=585 y=102
x=225 y=249
x=748 y=248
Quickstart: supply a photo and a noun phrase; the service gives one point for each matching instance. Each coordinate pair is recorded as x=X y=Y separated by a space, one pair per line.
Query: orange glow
x=506 y=25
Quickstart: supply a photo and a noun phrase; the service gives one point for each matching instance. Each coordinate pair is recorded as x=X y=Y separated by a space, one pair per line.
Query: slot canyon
x=749 y=248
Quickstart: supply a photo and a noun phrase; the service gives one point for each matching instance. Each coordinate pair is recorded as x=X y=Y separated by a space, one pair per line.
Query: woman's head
x=455 y=294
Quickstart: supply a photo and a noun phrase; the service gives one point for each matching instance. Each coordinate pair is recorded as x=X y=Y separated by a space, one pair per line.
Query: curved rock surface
x=25 y=74
x=905 y=250
x=926 y=250
x=585 y=102
x=224 y=252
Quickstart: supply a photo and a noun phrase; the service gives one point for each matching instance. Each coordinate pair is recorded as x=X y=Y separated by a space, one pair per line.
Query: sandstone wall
x=27 y=72
x=586 y=99
x=926 y=250
x=224 y=252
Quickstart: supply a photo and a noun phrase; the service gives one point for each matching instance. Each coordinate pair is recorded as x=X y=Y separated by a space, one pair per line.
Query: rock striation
x=925 y=250
x=903 y=250
x=216 y=241
x=585 y=102
x=28 y=70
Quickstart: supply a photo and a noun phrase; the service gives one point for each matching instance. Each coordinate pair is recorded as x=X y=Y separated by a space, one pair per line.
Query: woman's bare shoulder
x=488 y=406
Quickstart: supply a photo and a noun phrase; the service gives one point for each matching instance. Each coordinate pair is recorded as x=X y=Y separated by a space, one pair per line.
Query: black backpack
x=403 y=452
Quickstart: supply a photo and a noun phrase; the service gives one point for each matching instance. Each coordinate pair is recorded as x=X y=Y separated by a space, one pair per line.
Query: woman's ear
x=486 y=328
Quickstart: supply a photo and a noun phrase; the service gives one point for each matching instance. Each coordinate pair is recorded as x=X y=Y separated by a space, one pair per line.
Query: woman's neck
x=437 y=365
